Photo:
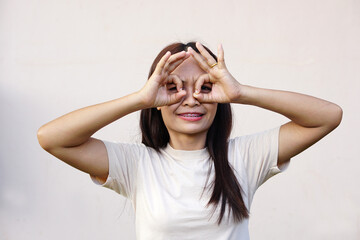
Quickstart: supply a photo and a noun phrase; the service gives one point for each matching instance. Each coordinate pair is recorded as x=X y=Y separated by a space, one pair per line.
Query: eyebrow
x=192 y=78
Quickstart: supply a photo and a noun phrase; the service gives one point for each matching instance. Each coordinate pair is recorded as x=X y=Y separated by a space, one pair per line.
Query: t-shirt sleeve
x=259 y=153
x=123 y=164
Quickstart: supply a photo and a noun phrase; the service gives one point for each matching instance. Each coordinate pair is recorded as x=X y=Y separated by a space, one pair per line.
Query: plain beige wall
x=57 y=56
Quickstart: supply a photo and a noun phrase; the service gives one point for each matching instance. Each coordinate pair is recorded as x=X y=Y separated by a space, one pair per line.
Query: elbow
x=43 y=139
x=336 y=117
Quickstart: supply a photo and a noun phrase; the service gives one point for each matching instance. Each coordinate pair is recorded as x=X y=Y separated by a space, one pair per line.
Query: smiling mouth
x=191 y=116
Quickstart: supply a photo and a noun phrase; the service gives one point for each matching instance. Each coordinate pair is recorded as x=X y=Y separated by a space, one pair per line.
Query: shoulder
x=260 y=143
x=125 y=150
x=126 y=146
x=267 y=135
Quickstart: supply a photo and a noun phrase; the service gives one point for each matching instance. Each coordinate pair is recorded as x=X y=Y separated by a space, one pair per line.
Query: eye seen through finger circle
x=206 y=88
x=171 y=87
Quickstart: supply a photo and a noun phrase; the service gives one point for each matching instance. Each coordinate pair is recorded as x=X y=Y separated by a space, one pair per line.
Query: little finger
x=221 y=59
x=162 y=62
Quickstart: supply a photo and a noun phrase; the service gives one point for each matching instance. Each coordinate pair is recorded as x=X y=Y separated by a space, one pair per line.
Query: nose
x=188 y=99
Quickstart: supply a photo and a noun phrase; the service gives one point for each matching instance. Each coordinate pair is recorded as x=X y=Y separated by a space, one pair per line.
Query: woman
x=187 y=180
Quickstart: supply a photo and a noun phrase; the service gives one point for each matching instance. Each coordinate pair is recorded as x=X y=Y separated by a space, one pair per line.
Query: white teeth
x=191 y=115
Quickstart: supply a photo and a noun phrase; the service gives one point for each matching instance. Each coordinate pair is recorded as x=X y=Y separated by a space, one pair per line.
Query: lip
x=191 y=116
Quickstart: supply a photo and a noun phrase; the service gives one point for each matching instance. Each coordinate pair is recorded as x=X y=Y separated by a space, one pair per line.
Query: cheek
x=167 y=113
x=212 y=108
x=165 y=116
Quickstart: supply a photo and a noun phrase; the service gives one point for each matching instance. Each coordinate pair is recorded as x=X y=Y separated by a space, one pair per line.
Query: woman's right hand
x=69 y=137
x=159 y=89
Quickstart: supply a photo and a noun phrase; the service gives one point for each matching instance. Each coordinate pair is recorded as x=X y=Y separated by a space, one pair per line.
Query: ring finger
x=209 y=59
x=175 y=59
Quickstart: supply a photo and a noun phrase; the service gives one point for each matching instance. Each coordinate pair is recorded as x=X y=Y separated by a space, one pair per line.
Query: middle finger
x=200 y=59
x=175 y=60
x=209 y=59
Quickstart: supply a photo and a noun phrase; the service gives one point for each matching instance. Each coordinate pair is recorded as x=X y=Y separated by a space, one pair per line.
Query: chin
x=193 y=131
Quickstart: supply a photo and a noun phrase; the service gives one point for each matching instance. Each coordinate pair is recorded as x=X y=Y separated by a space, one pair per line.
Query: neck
x=188 y=142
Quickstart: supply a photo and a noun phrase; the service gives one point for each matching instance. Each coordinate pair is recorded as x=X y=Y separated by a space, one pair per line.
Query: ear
x=158 y=108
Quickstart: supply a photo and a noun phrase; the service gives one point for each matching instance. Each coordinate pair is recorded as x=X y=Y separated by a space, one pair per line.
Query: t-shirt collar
x=187 y=154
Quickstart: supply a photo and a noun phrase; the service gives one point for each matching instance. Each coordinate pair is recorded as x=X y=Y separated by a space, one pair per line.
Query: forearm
x=302 y=109
x=78 y=126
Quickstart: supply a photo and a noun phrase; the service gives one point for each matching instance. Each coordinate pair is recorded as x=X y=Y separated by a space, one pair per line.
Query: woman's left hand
x=224 y=87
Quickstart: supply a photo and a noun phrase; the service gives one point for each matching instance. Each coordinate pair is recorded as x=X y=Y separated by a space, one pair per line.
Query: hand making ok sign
x=225 y=88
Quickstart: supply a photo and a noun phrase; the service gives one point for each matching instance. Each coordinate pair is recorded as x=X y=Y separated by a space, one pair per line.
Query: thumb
x=202 y=97
x=177 y=97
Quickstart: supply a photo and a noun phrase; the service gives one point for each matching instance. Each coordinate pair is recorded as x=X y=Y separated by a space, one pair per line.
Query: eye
x=171 y=87
x=206 y=88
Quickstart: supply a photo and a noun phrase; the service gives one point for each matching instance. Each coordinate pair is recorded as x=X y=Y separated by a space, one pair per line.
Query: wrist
x=243 y=94
x=143 y=99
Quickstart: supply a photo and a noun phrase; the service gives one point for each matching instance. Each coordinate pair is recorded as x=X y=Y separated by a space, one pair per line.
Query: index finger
x=175 y=79
x=200 y=81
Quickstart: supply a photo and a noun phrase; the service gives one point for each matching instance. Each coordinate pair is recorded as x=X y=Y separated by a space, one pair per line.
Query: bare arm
x=69 y=137
x=311 y=118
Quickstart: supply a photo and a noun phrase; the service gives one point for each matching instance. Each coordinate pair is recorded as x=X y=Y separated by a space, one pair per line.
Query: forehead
x=188 y=70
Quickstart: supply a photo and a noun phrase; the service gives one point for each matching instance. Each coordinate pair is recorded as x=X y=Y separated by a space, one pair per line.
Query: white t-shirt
x=165 y=188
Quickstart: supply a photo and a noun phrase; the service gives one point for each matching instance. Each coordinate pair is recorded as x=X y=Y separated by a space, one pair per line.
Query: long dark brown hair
x=226 y=189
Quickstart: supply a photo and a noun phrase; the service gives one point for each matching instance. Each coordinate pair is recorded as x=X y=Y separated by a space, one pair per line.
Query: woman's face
x=189 y=116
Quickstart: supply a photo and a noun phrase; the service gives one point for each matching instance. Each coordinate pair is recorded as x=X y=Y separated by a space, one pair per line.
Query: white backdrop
x=57 y=56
